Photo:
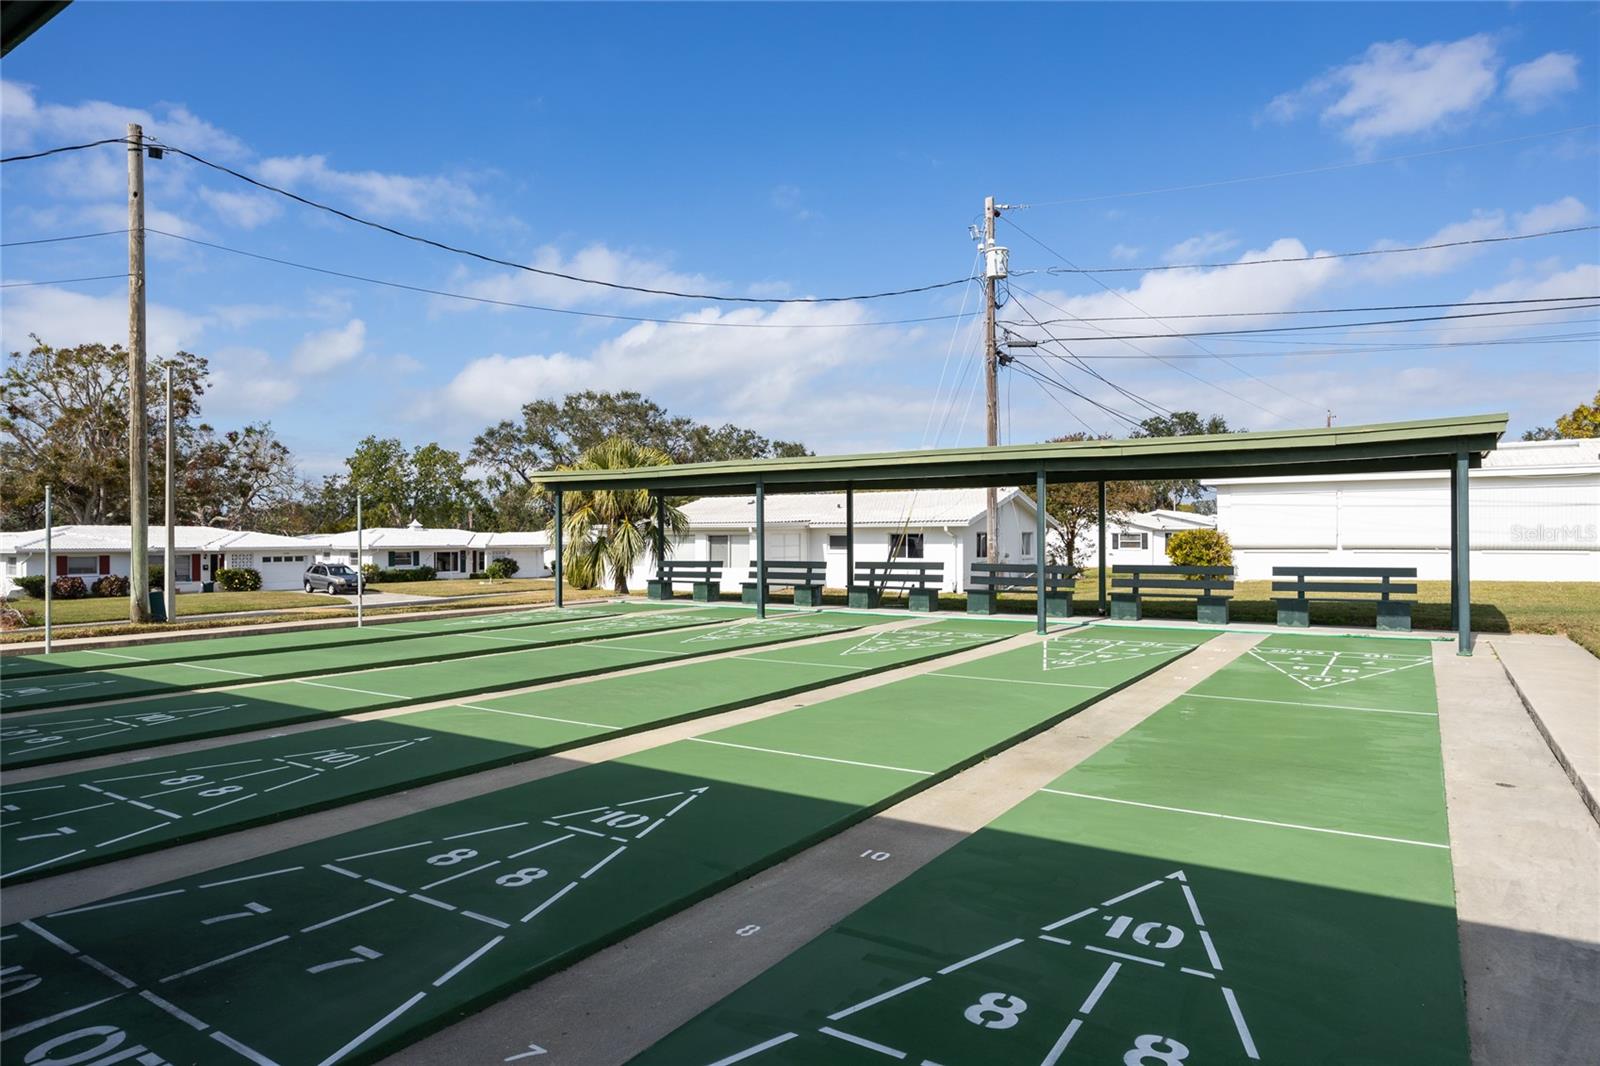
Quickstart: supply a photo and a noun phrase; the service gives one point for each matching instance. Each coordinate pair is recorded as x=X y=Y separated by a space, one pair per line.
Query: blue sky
x=771 y=150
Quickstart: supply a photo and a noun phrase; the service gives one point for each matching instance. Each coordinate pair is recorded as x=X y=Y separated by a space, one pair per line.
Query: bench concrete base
x=924 y=600
x=808 y=595
x=707 y=591
x=1394 y=614
x=987 y=601
x=1294 y=613
x=1212 y=610
x=1126 y=608
x=658 y=590
x=869 y=599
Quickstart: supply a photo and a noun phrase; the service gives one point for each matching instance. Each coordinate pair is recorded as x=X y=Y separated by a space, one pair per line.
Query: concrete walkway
x=1559 y=684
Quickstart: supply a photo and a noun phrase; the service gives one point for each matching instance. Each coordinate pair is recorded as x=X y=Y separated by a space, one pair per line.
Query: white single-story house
x=945 y=525
x=1534 y=511
x=1139 y=538
x=93 y=551
x=451 y=552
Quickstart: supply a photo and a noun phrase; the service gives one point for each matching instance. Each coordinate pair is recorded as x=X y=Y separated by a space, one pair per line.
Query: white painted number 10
x=875 y=856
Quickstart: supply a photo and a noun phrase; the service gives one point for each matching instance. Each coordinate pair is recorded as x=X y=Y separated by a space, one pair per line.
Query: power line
x=1557 y=338
x=346 y=275
x=1309 y=170
x=64 y=148
x=61 y=281
x=58 y=240
x=1327 y=310
x=1312 y=258
x=1149 y=405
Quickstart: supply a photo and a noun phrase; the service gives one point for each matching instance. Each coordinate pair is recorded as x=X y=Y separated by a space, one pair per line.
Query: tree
x=233 y=479
x=1583 y=421
x=1172 y=492
x=607 y=530
x=430 y=484
x=1075 y=507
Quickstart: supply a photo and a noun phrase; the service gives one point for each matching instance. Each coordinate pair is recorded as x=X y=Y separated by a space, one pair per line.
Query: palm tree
x=607 y=530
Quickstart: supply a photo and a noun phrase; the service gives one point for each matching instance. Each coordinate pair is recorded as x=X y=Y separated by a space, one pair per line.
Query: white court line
x=130 y=836
x=176 y=1011
x=344 y=688
x=536 y=847
x=1131 y=893
x=63 y=814
x=480 y=832
x=541 y=717
x=595 y=868
x=1018 y=681
x=1122 y=955
x=1312 y=706
x=1194 y=908
x=214 y=669
x=379 y=1024
x=1197 y=973
x=115 y=903
x=47 y=862
x=463 y=873
x=243 y=1049
x=384 y=851
x=861 y=1041
x=1211 y=950
x=737 y=1056
x=350 y=914
x=464 y=963
x=252 y=877
x=879 y=998
x=535 y=912
x=1100 y=988
x=1252 y=821
x=1055 y=939
x=1061 y=1043
x=954 y=966
x=114 y=655
x=790 y=662
x=225 y=958
x=1238 y=1023
x=69 y=1012
x=819 y=758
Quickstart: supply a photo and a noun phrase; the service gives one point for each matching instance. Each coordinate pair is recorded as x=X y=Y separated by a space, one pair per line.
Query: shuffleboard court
x=1259 y=872
x=14 y=667
x=580 y=648
x=76 y=820
x=100 y=686
x=341 y=950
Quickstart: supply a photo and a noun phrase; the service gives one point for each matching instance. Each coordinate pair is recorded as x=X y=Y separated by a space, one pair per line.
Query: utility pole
x=994 y=268
x=138 y=442
x=169 y=579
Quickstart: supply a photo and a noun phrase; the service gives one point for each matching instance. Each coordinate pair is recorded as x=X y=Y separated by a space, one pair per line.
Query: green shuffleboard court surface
x=347 y=948
x=1258 y=872
x=573 y=649
x=74 y=820
x=199 y=649
x=99 y=686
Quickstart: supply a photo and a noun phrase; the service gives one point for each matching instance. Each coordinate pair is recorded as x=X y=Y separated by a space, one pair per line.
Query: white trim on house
x=452 y=552
x=1139 y=538
x=93 y=551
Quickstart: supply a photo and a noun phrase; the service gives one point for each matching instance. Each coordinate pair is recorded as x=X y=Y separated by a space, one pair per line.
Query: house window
x=983 y=545
x=1133 y=540
x=242 y=560
x=283 y=558
x=83 y=564
x=717 y=548
x=838 y=543
x=450 y=561
x=1027 y=544
x=402 y=558
x=905 y=545
x=353 y=558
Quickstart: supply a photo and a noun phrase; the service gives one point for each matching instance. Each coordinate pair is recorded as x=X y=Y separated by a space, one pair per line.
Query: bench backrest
x=1169 y=580
x=1022 y=575
x=900 y=573
x=691 y=570
x=790 y=572
x=1375 y=580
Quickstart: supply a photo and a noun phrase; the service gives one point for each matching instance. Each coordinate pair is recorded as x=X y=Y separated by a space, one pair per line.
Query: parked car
x=332 y=578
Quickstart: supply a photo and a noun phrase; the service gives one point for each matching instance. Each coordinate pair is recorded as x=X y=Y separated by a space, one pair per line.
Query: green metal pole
x=1455 y=544
x=661 y=537
x=849 y=540
x=1463 y=556
x=560 y=557
x=1038 y=544
x=761 y=549
x=1102 y=543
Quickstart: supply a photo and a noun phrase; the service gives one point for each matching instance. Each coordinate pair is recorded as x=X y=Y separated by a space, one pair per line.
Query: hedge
x=33 y=586
x=1200 y=547
x=501 y=568
x=238 y=579
x=69 y=588
x=110 y=585
x=411 y=573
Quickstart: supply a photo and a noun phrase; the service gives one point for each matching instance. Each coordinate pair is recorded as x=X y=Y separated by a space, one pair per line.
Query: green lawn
x=114 y=608
x=463 y=586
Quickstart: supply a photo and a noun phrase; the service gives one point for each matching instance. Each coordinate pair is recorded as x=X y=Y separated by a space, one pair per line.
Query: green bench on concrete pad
x=704 y=574
x=804 y=577
x=919 y=580
x=1314 y=584
x=983 y=588
x=1131 y=584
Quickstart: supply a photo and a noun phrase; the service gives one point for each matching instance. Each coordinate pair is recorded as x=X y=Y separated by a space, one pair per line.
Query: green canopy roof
x=1424 y=445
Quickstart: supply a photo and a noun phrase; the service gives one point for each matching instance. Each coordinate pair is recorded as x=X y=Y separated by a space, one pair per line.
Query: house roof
x=1579 y=457
x=105 y=538
x=918 y=508
x=421 y=537
x=1427 y=444
x=1162 y=520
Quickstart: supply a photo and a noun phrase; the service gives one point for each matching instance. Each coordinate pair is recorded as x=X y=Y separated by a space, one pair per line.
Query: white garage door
x=282 y=571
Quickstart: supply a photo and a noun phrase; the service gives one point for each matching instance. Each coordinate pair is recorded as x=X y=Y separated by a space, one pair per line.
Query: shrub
x=369 y=573
x=1200 y=547
x=501 y=568
x=238 y=579
x=69 y=588
x=157 y=576
x=411 y=573
x=110 y=585
x=33 y=586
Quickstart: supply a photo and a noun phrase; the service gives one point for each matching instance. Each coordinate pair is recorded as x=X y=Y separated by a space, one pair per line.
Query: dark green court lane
x=343 y=949
x=14 y=667
x=99 y=686
x=574 y=650
x=1262 y=877
x=74 y=820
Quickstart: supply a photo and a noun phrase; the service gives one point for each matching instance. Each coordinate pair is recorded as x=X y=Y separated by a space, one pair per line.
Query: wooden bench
x=704 y=574
x=805 y=578
x=919 y=580
x=1311 y=584
x=1132 y=583
x=983 y=588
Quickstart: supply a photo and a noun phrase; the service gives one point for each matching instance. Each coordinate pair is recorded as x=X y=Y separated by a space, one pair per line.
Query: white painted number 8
x=224 y=790
x=522 y=877
x=186 y=779
x=450 y=858
x=1004 y=1008
x=1145 y=1053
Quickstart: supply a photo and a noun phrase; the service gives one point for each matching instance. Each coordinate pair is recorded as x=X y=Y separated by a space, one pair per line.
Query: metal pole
x=990 y=364
x=1038 y=543
x=138 y=474
x=49 y=568
x=761 y=548
x=1463 y=559
x=849 y=540
x=561 y=560
x=361 y=584
x=1455 y=545
x=1102 y=544
x=661 y=537
x=169 y=578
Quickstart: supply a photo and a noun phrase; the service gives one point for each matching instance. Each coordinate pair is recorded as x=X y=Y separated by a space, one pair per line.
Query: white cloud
x=246 y=210
x=594 y=261
x=248 y=381
x=1125 y=253
x=1398 y=88
x=790 y=199
x=373 y=191
x=29 y=122
x=1567 y=211
x=1204 y=247
x=65 y=317
x=330 y=349
x=1558 y=214
x=1533 y=85
x=1551 y=283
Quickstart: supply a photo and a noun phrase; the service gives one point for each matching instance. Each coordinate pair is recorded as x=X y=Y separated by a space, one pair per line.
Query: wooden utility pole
x=991 y=360
x=138 y=438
